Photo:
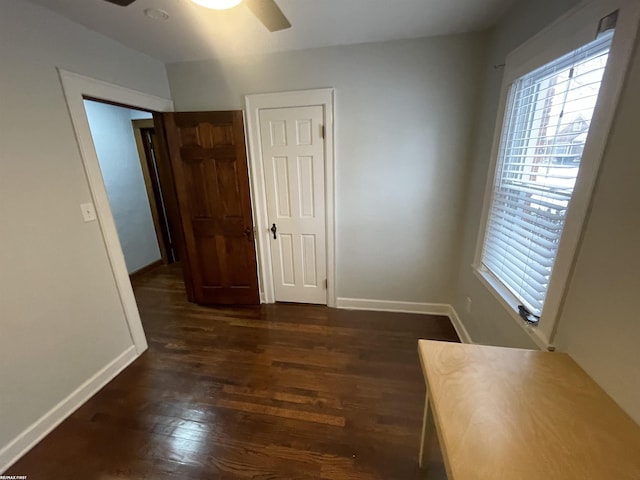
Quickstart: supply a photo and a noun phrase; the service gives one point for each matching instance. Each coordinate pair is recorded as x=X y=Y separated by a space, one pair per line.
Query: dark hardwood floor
x=272 y=392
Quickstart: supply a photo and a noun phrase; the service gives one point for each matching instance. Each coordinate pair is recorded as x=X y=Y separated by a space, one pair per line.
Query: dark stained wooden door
x=208 y=156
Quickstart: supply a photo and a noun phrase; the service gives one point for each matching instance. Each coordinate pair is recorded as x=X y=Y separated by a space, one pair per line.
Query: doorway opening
x=76 y=88
x=148 y=148
x=126 y=145
x=202 y=160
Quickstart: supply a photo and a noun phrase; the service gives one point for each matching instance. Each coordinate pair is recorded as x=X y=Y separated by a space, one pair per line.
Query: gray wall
x=599 y=325
x=489 y=322
x=61 y=320
x=403 y=113
x=120 y=165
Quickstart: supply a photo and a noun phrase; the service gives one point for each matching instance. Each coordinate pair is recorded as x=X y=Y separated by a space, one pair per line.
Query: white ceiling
x=194 y=33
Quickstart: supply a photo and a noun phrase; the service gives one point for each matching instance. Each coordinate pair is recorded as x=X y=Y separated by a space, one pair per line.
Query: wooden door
x=293 y=154
x=208 y=157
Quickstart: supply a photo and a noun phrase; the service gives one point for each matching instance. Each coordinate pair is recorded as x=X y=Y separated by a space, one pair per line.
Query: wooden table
x=505 y=413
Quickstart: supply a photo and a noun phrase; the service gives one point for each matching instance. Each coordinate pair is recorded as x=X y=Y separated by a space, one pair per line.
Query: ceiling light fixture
x=217 y=4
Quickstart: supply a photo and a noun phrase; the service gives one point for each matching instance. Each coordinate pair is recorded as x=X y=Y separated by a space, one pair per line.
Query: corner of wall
x=19 y=446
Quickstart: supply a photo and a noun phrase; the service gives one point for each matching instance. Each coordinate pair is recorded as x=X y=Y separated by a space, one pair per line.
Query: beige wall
x=403 y=114
x=599 y=325
x=60 y=316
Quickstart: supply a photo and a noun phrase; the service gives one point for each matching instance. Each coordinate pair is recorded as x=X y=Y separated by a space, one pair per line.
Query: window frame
x=574 y=29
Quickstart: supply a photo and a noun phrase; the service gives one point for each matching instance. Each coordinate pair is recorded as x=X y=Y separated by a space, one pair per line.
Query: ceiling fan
x=267 y=11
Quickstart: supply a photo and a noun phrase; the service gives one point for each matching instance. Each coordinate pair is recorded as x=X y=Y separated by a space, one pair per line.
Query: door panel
x=208 y=156
x=293 y=156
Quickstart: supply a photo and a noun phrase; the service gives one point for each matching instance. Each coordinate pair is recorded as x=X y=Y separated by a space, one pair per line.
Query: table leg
x=427 y=434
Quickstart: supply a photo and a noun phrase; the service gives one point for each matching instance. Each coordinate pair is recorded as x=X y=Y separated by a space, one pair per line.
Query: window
x=559 y=96
x=547 y=121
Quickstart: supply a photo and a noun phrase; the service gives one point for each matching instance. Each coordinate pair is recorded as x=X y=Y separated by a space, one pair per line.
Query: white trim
x=392 y=306
x=505 y=297
x=461 y=330
x=75 y=87
x=24 y=442
x=302 y=98
x=567 y=33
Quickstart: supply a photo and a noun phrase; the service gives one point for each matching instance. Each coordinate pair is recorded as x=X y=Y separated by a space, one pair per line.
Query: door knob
x=274 y=229
x=247 y=232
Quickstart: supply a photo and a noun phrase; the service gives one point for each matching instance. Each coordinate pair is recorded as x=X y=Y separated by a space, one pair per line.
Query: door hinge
x=322 y=132
x=326 y=284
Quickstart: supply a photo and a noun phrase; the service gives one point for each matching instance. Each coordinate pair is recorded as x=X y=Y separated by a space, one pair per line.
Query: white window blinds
x=547 y=121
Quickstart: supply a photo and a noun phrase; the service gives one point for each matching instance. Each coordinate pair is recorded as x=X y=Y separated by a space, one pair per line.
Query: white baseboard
x=459 y=326
x=392 y=306
x=408 y=307
x=10 y=453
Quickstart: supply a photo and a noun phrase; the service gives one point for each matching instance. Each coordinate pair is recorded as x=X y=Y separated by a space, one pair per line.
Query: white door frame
x=75 y=87
x=302 y=98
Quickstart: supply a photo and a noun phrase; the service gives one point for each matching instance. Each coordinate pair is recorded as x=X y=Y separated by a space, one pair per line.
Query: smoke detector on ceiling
x=156 y=14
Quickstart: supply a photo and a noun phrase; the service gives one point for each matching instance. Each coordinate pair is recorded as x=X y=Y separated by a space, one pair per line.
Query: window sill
x=505 y=299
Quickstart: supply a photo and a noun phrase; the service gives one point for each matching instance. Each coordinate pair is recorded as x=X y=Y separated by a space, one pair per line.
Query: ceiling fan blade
x=122 y=3
x=269 y=14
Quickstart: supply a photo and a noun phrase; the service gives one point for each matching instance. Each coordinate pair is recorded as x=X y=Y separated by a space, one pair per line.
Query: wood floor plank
x=282 y=412
x=265 y=392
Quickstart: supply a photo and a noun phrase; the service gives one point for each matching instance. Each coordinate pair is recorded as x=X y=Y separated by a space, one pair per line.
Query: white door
x=293 y=154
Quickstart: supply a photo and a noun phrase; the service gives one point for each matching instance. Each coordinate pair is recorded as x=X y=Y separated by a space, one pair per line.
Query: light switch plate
x=88 y=212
